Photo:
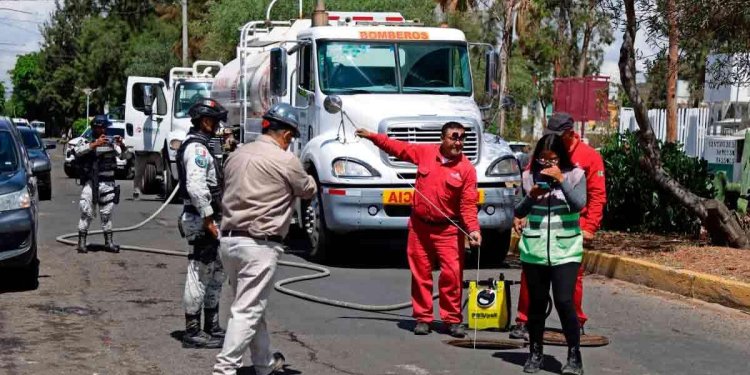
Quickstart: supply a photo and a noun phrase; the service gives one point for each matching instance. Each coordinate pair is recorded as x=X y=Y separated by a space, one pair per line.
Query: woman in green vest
x=551 y=245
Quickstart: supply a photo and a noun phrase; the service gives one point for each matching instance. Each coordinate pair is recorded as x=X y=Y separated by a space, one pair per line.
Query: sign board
x=724 y=153
x=586 y=99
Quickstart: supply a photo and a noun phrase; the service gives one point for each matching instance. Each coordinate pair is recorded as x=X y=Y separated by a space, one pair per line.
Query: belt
x=242 y=233
x=436 y=223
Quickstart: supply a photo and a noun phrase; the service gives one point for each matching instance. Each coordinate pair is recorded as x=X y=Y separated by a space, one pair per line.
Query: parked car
x=124 y=167
x=40 y=160
x=21 y=122
x=18 y=208
x=39 y=126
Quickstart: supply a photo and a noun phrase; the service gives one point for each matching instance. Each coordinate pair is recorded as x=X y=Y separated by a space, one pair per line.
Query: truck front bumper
x=349 y=209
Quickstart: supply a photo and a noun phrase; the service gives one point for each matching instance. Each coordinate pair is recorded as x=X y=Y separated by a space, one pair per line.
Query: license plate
x=404 y=197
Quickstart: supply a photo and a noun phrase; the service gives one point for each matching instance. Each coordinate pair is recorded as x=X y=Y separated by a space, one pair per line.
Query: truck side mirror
x=278 y=71
x=490 y=72
x=148 y=100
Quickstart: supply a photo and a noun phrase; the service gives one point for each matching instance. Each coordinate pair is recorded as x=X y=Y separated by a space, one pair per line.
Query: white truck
x=389 y=75
x=156 y=117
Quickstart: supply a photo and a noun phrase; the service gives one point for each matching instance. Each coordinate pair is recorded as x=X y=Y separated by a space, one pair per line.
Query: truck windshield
x=374 y=67
x=188 y=93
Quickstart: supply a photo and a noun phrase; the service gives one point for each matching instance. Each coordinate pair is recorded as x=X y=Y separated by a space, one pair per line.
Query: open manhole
x=496 y=344
x=556 y=337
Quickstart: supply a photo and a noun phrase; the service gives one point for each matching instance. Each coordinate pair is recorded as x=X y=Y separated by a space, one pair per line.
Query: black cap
x=559 y=123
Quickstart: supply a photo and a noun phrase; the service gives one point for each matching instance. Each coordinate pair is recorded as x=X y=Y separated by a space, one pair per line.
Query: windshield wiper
x=346 y=90
x=409 y=90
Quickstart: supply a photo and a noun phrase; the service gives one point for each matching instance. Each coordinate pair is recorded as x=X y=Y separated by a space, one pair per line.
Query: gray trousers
x=202 y=286
x=86 y=204
x=250 y=266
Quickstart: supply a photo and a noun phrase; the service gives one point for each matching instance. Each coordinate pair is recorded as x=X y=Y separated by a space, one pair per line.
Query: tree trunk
x=721 y=225
x=562 y=25
x=587 y=33
x=507 y=39
x=672 y=69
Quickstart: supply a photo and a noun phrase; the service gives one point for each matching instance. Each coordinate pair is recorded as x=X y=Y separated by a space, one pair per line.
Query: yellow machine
x=489 y=304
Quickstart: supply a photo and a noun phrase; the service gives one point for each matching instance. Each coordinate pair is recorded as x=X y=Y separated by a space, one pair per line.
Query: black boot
x=211 y=324
x=82 y=242
x=575 y=362
x=195 y=338
x=536 y=358
x=109 y=243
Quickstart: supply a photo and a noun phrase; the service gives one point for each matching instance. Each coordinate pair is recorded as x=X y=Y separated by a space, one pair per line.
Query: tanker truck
x=156 y=117
x=343 y=70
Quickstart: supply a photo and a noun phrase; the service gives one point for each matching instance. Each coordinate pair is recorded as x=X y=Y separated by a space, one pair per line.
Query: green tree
x=26 y=77
x=151 y=53
x=2 y=97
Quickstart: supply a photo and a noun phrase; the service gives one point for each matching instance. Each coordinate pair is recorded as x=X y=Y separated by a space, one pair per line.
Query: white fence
x=692 y=126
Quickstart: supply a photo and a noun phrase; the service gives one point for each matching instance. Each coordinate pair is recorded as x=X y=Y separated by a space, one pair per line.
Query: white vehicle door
x=146 y=111
x=304 y=93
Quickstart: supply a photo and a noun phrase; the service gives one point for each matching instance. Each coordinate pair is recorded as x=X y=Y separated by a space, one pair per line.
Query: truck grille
x=430 y=134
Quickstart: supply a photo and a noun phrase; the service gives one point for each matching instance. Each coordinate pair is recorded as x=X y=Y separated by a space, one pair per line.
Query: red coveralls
x=592 y=164
x=452 y=187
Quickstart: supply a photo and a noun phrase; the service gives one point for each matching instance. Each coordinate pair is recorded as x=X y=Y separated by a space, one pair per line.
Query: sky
x=20 y=21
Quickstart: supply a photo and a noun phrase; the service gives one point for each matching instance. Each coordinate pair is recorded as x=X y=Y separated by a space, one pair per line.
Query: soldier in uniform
x=201 y=182
x=96 y=159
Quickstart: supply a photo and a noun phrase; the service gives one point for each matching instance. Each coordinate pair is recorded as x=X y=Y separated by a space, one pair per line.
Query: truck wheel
x=45 y=189
x=130 y=172
x=69 y=171
x=495 y=245
x=321 y=239
x=150 y=182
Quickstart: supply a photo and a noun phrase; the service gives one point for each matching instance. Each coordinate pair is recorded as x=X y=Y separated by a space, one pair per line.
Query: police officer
x=201 y=181
x=96 y=158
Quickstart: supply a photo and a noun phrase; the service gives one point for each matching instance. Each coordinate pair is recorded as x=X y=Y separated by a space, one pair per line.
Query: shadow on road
x=551 y=364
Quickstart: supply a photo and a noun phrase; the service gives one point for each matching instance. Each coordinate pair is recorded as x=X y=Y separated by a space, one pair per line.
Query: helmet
x=284 y=114
x=101 y=120
x=207 y=108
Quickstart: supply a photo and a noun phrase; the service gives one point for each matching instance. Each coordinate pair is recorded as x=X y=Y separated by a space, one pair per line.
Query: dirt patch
x=678 y=252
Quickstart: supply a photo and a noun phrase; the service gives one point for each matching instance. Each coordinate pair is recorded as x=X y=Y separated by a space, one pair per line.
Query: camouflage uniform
x=98 y=178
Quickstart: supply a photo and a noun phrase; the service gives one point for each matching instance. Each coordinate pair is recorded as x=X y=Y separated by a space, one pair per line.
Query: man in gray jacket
x=262 y=181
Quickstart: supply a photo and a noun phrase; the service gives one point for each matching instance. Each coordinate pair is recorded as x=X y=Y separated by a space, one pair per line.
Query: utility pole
x=184 y=33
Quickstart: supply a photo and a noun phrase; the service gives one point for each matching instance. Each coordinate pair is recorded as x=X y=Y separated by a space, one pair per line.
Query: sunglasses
x=456 y=136
x=548 y=162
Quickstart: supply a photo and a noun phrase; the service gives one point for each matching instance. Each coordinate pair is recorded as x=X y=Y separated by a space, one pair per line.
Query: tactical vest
x=99 y=164
x=552 y=235
x=217 y=192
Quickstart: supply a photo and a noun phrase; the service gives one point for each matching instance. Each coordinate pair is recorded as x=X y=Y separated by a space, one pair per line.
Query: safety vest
x=552 y=235
x=217 y=191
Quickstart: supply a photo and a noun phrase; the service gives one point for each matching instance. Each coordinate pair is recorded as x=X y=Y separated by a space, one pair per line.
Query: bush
x=635 y=202
x=79 y=126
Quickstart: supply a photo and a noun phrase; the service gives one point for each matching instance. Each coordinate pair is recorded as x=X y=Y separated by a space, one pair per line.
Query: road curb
x=691 y=284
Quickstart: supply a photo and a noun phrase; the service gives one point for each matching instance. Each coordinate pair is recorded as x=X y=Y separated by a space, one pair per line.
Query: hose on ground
x=322 y=272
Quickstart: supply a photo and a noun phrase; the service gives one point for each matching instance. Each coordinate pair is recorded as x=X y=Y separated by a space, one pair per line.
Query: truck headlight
x=15 y=200
x=352 y=168
x=175 y=144
x=504 y=167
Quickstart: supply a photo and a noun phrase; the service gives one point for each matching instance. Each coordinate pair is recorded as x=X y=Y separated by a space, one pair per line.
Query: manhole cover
x=496 y=344
x=554 y=337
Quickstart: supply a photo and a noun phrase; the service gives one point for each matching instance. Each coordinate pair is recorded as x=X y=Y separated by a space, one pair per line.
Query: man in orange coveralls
x=586 y=158
x=446 y=193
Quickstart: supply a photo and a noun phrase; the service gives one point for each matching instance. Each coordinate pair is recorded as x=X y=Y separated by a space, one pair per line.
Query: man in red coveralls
x=586 y=158
x=446 y=193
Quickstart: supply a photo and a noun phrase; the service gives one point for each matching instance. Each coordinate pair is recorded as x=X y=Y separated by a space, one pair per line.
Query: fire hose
x=321 y=272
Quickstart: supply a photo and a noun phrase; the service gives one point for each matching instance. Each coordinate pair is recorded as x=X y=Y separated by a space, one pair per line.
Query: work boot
x=195 y=338
x=278 y=363
x=136 y=194
x=575 y=362
x=82 y=242
x=109 y=243
x=211 y=323
x=519 y=332
x=457 y=330
x=422 y=329
x=536 y=359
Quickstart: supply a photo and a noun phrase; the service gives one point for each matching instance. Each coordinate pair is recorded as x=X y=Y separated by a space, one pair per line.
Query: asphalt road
x=103 y=313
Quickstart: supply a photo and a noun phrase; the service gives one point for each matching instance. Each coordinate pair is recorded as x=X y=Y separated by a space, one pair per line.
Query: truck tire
x=69 y=171
x=45 y=188
x=150 y=182
x=322 y=240
x=495 y=245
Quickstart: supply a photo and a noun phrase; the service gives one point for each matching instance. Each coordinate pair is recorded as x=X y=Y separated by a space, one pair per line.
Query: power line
x=15 y=10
